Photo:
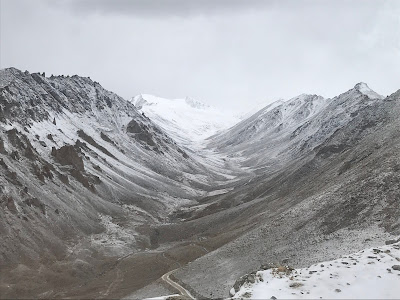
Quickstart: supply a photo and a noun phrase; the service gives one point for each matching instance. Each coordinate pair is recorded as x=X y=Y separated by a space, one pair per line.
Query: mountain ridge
x=99 y=199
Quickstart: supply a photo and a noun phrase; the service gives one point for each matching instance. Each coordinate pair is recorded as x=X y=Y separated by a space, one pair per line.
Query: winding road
x=184 y=292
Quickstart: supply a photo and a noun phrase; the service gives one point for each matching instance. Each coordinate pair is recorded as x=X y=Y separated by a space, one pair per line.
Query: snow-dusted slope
x=79 y=153
x=366 y=90
x=372 y=273
x=285 y=129
x=274 y=118
x=85 y=176
x=264 y=106
x=187 y=120
x=320 y=187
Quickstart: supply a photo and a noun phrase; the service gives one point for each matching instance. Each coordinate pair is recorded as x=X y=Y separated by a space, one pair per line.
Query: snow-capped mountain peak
x=364 y=89
x=139 y=101
x=146 y=99
x=186 y=120
x=196 y=103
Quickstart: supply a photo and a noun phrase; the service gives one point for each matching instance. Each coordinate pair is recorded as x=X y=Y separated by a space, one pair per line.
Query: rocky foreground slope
x=97 y=201
x=368 y=274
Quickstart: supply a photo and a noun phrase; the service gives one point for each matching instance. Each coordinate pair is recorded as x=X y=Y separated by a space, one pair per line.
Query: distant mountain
x=284 y=130
x=186 y=120
x=261 y=106
x=364 y=89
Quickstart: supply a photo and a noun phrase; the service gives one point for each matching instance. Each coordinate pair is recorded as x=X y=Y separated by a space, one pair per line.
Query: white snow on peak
x=265 y=106
x=301 y=107
x=364 y=89
x=139 y=101
x=195 y=103
x=368 y=274
x=186 y=120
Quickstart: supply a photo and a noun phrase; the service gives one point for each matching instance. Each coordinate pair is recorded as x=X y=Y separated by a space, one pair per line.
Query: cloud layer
x=230 y=54
x=180 y=8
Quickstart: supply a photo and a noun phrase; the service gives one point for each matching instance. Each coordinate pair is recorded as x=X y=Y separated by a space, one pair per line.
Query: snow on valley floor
x=369 y=274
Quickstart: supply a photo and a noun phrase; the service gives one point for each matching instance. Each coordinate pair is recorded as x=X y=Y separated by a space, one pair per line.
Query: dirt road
x=184 y=293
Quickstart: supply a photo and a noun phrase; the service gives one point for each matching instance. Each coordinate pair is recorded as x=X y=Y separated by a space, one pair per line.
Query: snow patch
x=364 y=89
x=367 y=274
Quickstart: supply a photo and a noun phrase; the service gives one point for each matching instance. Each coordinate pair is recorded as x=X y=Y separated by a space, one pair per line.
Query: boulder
x=396 y=267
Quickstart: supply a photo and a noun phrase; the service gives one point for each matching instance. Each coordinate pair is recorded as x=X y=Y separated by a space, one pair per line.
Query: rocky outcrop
x=92 y=142
x=35 y=202
x=106 y=138
x=134 y=127
x=140 y=132
x=68 y=155
x=2 y=149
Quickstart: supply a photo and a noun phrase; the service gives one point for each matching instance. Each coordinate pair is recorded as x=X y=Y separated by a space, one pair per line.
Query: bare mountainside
x=322 y=181
x=99 y=202
x=83 y=177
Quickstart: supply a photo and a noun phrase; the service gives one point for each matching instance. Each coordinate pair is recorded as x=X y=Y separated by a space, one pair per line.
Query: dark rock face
x=92 y=142
x=15 y=140
x=9 y=203
x=152 y=137
x=50 y=137
x=134 y=127
x=42 y=172
x=248 y=278
x=331 y=149
x=35 y=202
x=22 y=143
x=2 y=149
x=106 y=138
x=68 y=155
x=389 y=242
x=141 y=132
x=145 y=137
x=16 y=103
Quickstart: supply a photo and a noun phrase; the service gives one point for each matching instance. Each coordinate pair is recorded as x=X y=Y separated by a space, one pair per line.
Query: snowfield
x=369 y=274
x=187 y=121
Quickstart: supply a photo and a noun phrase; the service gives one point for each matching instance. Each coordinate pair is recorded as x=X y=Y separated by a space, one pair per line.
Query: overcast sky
x=230 y=54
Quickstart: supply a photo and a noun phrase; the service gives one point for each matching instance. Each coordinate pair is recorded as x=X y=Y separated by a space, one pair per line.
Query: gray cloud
x=232 y=54
x=181 y=8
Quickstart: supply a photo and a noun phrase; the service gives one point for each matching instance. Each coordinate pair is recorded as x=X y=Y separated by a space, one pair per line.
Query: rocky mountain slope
x=102 y=200
x=287 y=129
x=316 y=188
x=82 y=170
